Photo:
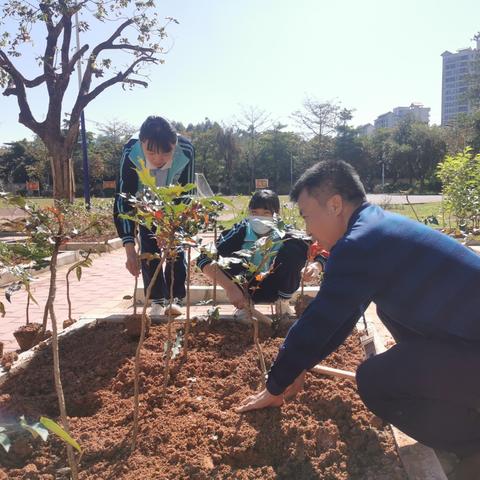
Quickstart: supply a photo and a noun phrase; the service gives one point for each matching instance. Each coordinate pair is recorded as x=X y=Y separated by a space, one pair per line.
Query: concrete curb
x=64 y=258
x=203 y=293
x=96 y=247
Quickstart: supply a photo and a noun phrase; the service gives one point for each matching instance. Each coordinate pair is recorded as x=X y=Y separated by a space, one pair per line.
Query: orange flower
x=259 y=277
x=158 y=214
x=314 y=250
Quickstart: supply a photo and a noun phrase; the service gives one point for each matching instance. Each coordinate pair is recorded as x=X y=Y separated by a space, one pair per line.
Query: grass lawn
x=290 y=214
x=43 y=202
x=239 y=204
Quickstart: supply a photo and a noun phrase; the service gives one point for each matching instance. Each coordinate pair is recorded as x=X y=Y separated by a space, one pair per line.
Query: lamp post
x=86 y=175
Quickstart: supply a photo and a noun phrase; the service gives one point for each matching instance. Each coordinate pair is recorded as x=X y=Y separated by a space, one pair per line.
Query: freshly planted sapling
x=175 y=218
x=54 y=226
x=13 y=431
x=257 y=264
x=77 y=267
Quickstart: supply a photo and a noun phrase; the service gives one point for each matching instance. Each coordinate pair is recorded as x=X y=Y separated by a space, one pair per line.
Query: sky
x=228 y=55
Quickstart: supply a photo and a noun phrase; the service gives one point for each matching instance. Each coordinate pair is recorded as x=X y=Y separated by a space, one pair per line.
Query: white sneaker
x=283 y=308
x=240 y=315
x=157 y=310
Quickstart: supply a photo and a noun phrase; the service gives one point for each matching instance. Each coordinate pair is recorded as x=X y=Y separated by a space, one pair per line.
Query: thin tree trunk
x=137 y=354
x=214 y=295
x=188 y=321
x=68 y=297
x=28 y=307
x=257 y=342
x=169 y=335
x=56 y=357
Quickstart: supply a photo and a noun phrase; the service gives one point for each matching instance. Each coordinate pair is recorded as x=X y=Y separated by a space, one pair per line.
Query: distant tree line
x=254 y=146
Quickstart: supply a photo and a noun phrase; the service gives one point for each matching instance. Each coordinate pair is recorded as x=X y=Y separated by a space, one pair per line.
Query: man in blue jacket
x=425 y=286
x=170 y=158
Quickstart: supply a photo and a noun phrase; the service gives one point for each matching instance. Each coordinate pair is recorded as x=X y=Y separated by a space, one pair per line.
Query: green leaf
x=19 y=201
x=37 y=430
x=145 y=176
x=60 y=432
x=78 y=271
x=40 y=430
x=5 y=442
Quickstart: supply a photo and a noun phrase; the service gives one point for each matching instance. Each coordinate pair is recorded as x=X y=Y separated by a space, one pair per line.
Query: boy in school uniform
x=282 y=273
x=170 y=158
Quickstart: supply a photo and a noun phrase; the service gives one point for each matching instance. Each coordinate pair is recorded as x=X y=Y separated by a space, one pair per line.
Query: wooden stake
x=333 y=372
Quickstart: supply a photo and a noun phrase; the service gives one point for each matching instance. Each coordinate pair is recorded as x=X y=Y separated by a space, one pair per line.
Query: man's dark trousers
x=428 y=388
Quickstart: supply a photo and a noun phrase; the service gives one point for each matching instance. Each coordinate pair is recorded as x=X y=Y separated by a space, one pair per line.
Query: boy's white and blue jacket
x=182 y=171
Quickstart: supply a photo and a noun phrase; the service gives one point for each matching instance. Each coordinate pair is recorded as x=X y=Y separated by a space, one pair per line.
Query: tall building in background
x=416 y=111
x=456 y=67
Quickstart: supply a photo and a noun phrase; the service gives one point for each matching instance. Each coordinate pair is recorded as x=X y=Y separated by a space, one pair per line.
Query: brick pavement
x=100 y=290
x=99 y=293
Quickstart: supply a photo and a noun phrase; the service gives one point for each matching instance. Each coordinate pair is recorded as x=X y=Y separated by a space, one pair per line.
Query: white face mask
x=261 y=225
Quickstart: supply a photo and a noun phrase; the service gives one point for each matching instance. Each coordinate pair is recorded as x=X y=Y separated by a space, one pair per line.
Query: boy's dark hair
x=159 y=134
x=333 y=177
x=266 y=199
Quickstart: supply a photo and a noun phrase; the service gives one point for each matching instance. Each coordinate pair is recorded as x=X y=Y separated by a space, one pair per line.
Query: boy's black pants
x=284 y=281
x=429 y=389
x=161 y=288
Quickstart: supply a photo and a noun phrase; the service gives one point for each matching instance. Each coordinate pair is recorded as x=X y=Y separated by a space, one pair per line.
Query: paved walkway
x=100 y=290
x=99 y=293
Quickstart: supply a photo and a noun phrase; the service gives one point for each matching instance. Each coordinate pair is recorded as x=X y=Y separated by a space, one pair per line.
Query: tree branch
x=25 y=117
x=49 y=57
x=87 y=77
x=84 y=100
x=67 y=35
x=35 y=82
x=127 y=46
x=120 y=77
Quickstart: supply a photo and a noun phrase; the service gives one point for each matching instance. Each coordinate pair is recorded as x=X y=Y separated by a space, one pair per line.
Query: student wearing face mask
x=170 y=158
x=284 y=279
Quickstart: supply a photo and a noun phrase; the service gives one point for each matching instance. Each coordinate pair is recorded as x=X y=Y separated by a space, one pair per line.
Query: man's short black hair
x=159 y=134
x=266 y=199
x=333 y=177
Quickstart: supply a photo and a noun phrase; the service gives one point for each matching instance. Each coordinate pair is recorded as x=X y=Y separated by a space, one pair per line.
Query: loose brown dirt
x=325 y=433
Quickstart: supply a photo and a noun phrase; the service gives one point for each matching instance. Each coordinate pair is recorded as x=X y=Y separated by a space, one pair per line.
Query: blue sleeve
x=328 y=320
x=229 y=241
x=128 y=185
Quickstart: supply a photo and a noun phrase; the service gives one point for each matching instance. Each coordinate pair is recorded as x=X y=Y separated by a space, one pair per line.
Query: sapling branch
x=188 y=320
x=214 y=295
x=168 y=351
x=256 y=341
x=138 y=352
x=56 y=357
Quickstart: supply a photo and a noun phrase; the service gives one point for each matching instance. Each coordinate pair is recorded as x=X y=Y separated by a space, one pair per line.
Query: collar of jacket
x=180 y=160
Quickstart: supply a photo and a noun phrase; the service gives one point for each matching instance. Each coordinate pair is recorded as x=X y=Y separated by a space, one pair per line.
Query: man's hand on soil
x=260 y=400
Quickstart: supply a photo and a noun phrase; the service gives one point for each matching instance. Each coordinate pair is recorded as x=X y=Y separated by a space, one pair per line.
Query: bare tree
x=228 y=149
x=320 y=120
x=253 y=121
x=136 y=33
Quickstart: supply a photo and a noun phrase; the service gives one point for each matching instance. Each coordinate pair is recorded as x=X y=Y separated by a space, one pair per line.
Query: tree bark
x=63 y=176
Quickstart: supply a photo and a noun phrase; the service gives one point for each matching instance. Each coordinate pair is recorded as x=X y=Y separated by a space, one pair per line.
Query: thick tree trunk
x=62 y=174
